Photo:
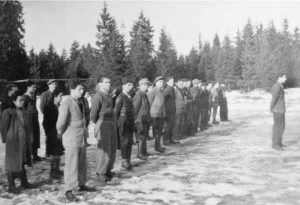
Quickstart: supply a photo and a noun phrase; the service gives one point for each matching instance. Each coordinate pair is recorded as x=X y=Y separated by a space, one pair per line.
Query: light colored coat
x=157 y=105
x=71 y=123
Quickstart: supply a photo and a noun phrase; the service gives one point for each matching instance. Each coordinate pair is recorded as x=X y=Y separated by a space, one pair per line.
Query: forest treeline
x=252 y=59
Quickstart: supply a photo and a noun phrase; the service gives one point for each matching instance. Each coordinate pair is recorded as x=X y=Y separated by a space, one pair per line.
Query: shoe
x=11 y=184
x=126 y=165
x=216 y=122
x=54 y=175
x=147 y=154
x=86 y=188
x=141 y=156
x=70 y=197
x=38 y=159
x=277 y=147
x=174 y=142
x=60 y=172
x=161 y=149
x=28 y=185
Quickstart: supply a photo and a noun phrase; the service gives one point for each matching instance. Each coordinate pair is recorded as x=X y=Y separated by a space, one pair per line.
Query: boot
x=173 y=142
x=24 y=181
x=70 y=197
x=126 y=165
x=57 y=165
x=166 y=140
x=53 y=173
x=144 y=148
x=11 y=184
x=140 y=154
x=157 y=145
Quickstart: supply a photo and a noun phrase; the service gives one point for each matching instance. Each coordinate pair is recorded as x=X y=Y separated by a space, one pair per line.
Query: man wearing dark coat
x=46 y=103
x=204 y=107
x=124 y=114
x=157 y=111
x=142 y=117
x=188 y=128
x=170 y=105
x=195 y=92
x=278 y=109
x=223 y=103
x=30 y=106
x=16 y=133
x=179 y=104
x=105 y=130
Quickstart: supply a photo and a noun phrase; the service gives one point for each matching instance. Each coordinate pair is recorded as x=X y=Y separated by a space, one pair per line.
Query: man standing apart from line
x=142 y=117
x=278 y=109
x=105 y=130
x=71 y=127
x=157 y=112
x=124 y=114
x=46 y=105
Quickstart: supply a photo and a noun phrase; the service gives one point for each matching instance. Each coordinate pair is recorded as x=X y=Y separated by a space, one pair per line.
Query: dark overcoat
x=16 y=134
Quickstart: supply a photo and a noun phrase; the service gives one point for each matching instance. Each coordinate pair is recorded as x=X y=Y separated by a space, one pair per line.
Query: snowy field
x=231 y=163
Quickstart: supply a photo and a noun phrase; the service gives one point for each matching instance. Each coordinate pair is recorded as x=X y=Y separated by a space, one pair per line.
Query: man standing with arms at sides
x=124 y=114
x=105 y=130
x=209 y=89
x=278 y=109
x=157 y=111
x=72 y=129
x=142 y=117
x=179 y=103
x=195 y=92
x=204 y=107
x=215 y=102
x=46 y=104
x=223 y=104
x=30 y=106
x=170 y=105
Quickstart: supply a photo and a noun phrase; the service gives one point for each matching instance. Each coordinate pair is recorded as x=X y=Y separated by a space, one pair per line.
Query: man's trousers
x=278 y=128
x=75 y=167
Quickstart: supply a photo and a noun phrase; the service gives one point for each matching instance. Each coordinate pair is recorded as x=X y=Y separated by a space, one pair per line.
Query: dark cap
x=158 y=78
x=51 y=81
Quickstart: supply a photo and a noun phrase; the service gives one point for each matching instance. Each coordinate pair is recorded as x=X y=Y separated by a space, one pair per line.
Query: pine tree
x=192 y=62
x=215 y=55
x=13 y=58
x=111 y=45
x=225 y=70
x=205 y=68
x=141 y=48
x=166 y=55
x=248 y=57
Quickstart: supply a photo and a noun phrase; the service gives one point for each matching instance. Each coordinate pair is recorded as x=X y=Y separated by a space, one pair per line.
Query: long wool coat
x=16 y=133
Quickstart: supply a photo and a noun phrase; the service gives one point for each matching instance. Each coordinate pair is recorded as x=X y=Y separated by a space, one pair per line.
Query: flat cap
x=158 y=78
x=196 y=81
x=144 y=81
x=51 y=81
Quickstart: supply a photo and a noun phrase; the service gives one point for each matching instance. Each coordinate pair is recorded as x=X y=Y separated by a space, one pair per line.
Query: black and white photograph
x=149 y=102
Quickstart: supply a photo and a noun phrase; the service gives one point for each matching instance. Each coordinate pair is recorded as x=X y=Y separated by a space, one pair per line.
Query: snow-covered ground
x=231 y=163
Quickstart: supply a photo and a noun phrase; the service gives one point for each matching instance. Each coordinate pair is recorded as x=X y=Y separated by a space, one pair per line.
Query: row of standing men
x=174 y=110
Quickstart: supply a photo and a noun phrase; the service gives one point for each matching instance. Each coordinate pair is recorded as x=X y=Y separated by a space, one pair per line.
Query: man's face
x=159 y=83
x=171 y=82
x=105 y=84
x=127 y=87
x=188 y=84
x=78 y=91
x=52 y=86
x=179 y=84
x=19 y=102
x=12 y=91
x=195 y=85
x=144 y=87
x=32 y=88
x=282 y=79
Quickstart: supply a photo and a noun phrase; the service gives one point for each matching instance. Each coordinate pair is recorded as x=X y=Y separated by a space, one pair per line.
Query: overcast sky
x=62 y=22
